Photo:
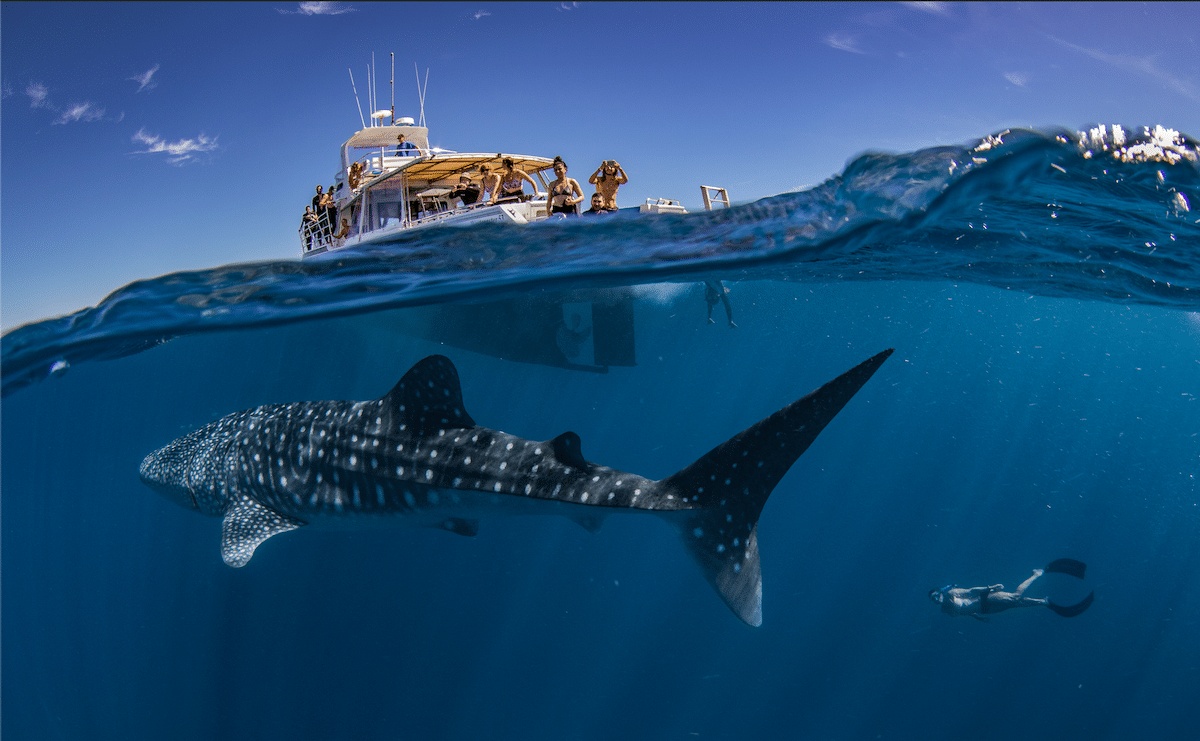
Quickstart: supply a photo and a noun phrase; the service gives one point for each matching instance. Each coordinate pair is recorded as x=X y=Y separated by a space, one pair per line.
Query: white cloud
x=178 y=152
x=37 y=93
x=567 y=6
x=843 y=42
x=481 y=13
x=1143 y=65
x=80 y=112
x=144 y=80
x=1017 y=78
x=319 y=8
x=935 y=8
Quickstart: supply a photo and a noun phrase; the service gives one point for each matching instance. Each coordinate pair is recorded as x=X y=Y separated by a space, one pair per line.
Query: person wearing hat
x=466 y=191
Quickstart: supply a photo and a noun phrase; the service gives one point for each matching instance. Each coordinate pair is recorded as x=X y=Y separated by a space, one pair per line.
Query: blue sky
x=144 y=138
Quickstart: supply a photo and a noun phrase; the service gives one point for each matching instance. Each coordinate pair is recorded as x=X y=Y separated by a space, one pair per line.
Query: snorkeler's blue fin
x=1072 y=610
x=1068 y=566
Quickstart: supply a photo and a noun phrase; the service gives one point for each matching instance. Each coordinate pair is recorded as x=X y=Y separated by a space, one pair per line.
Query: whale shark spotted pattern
x=415 y=457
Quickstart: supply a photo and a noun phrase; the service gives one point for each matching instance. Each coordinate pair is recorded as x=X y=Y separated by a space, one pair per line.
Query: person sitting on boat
x=491 y=181
x=511 y=187
x=466 y=191
x=565 y=193
x=344 y=231
x=607 y=178
x=406 y=148
x=597 y=208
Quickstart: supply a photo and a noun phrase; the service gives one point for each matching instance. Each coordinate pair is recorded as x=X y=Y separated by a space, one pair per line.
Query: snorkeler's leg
x=1020 y=590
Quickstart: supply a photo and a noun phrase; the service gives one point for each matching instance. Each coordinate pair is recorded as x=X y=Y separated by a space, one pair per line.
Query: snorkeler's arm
x=595 y=178
x=621 y=177
x=578 y=193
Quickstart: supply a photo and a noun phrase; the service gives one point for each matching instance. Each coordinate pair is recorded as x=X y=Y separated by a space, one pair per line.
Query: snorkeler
x=981 y=601
x=715 y=291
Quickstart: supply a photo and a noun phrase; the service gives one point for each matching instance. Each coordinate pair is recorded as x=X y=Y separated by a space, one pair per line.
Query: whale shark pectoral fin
x=568 y=450
x=429 y=397
x=247 y=524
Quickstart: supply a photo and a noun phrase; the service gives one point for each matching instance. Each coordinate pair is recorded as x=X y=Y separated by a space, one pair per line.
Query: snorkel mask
x=937 y=595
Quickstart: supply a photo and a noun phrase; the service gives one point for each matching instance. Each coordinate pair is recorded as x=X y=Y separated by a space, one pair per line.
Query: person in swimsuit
x=328 y=214
x=979 y=602
x=607 y=178
x=565 y=193
x=512 y=187
x=491 y=181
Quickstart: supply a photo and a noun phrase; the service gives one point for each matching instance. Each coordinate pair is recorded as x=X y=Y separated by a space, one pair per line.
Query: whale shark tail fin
x=731 y=483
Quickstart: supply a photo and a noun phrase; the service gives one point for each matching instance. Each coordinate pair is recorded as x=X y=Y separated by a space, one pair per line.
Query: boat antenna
x=374 y=82
x=421 y=91
x=370 y=103
x=392 y=85
x=356 y=101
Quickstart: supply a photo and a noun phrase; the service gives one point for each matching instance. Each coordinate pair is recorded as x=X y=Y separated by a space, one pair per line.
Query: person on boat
x=328 y=213
x=466 y=191
x=714 y=291
x=565 y=193
x=489 y=184
x=308 y=225
x=405 y=148
x=607 y=178
x=344 y=231
x=356 y=173
x=979 y=602
x=511 y=187
x=597 y=208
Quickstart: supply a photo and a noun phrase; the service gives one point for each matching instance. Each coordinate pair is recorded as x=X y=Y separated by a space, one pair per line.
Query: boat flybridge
x=382 y=189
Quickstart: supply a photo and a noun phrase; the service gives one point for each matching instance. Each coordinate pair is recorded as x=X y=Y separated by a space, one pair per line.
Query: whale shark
x=415 y=457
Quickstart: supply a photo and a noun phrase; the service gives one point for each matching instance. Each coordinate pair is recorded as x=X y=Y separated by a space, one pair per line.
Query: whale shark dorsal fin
x=429 y=397
x=568 y=450
x=247 y=524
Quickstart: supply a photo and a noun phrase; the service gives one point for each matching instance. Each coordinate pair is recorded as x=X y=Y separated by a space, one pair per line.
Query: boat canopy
x=385 y=136
x=389 y=136
x=445 y=166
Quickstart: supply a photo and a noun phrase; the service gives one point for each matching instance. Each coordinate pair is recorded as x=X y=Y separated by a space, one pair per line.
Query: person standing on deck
x=608 y=178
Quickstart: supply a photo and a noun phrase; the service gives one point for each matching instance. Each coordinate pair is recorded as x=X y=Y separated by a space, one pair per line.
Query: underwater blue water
x=1041 y=403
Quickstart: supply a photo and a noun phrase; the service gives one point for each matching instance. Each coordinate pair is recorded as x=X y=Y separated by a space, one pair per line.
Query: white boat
x=402 y=189
x=381 y=190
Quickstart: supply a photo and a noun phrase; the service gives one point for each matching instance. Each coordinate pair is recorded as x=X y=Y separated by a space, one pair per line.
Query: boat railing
x=378 y=161
x=317 y=234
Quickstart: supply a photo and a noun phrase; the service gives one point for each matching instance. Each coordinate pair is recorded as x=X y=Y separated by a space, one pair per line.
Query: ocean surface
x=1041 y=290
